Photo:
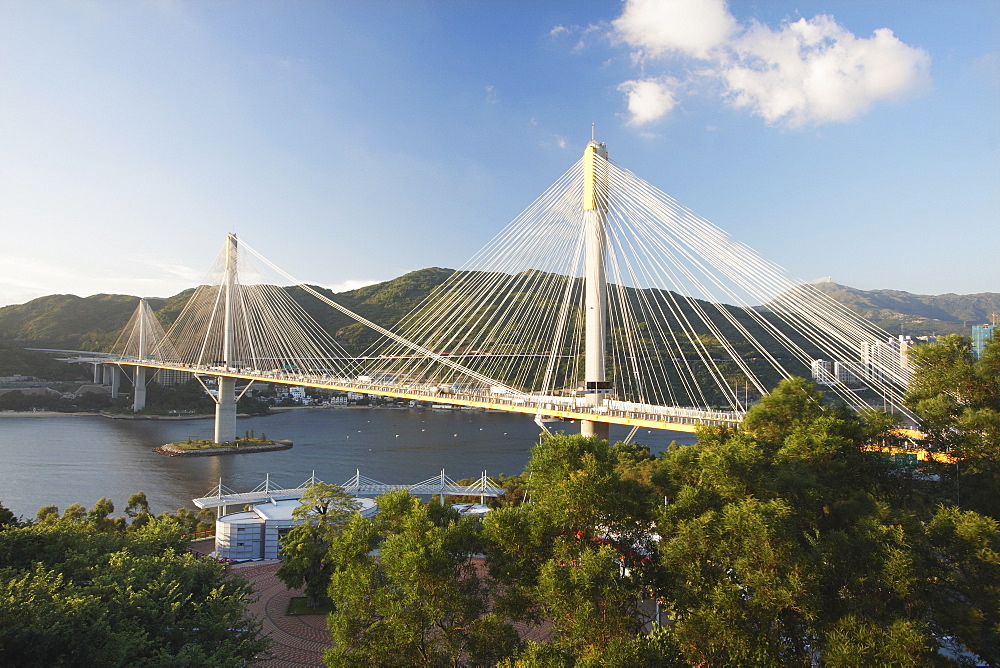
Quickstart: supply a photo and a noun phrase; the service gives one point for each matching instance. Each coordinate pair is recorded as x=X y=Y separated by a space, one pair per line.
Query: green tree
x=793 y=403
x=76 y=592
x=47 y=513
x=579 y=553
x=75 y=512
x=7 y=517
x=100 y=514
x=137 y=509
x=783 y=543
x=962 y=556
x=323 y=512
x=421 y=601
x=192 y=521
x=957 y=400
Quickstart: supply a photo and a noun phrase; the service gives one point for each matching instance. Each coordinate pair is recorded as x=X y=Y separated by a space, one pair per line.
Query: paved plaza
x=298 y=640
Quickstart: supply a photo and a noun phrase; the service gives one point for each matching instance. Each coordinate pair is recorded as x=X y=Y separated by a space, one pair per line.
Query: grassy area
x=298 y=605
x=202 y=443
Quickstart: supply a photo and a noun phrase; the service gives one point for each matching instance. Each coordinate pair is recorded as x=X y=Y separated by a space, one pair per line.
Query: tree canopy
x=420 y=599
x=89 y=589
x=957 y=399
x=787 y=541
x=324 y=510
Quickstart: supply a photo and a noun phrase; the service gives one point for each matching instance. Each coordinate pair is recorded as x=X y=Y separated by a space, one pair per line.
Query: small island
x=204 y=447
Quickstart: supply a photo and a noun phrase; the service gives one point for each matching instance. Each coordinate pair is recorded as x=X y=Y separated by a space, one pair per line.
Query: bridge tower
x=595 y=213
x=139 y=382
x=225 y=405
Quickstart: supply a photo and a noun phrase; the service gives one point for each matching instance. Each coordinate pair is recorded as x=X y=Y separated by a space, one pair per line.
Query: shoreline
x=168 y=418
x=4 y=414
x=202 y=416
x=168 y=449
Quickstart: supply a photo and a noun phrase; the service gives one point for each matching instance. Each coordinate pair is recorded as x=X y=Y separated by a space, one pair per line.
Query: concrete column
x=595 y=212
x=225 y=411
x=106 y=368
x=116 y=381
x=139 y=383
x=225 y=407
x=139 y=390
x=97 y=373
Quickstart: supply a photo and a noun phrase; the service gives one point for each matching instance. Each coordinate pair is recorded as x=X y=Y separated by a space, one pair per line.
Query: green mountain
x=93 y=323
x=917 y=315
x=383 y=303
x=68 y=321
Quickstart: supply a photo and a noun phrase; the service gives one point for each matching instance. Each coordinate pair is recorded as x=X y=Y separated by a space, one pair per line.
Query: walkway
x=298 y=640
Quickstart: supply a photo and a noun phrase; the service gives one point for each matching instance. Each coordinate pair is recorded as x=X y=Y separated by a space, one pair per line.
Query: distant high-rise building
x=822 y=372
x=981 y=335
x=844 y=374
x=887 y=361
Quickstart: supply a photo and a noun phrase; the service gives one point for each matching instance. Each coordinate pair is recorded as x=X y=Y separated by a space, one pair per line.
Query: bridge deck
x=652 y=417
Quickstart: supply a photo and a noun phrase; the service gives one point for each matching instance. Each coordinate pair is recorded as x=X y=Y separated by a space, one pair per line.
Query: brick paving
x=298 y=640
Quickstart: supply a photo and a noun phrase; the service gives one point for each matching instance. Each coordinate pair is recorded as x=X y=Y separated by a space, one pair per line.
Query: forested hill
x=917 y=315
x=93 y=323
x=68 y=321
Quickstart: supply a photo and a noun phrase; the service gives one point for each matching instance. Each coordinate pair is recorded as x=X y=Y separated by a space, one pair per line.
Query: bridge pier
x=594 y=428
x=97 y=373
x=225 y=411
x=116 y=380
x=139 y=389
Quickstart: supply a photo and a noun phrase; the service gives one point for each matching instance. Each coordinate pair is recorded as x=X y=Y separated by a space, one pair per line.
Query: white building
x=844 y=374
x=254 y=534
x=822 y=372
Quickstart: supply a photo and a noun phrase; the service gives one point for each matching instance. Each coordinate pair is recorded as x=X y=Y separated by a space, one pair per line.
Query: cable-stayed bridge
x=604 y=301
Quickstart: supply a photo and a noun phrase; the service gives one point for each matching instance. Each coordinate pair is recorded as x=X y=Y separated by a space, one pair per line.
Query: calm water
x=66 y=459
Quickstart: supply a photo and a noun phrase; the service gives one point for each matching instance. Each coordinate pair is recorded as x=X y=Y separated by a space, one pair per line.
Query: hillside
x=93 y=323
x=917 y=315
x=68 y=321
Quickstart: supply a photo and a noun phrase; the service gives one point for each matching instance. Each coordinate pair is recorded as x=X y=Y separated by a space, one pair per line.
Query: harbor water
x=64 y=459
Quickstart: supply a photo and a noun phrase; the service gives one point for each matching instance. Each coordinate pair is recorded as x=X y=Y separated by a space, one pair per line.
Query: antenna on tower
x=592 y=131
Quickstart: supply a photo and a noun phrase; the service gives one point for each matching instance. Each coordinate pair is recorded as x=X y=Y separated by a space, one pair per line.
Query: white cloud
x=648 y=99
x=584 y=33
x=173 y=271
x=557 y=141
x=807 y=72
x=813 y=72
x=691 y=27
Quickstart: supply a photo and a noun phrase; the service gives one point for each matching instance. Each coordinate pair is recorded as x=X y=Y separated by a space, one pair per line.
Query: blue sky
x=353 y=142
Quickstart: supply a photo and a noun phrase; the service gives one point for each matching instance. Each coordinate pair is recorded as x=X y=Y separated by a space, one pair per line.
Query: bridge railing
x=523 y=402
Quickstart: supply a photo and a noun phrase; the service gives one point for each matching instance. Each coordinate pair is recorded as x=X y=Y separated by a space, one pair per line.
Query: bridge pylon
x=139 y=381
x=225 y=403
x=595 y=211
